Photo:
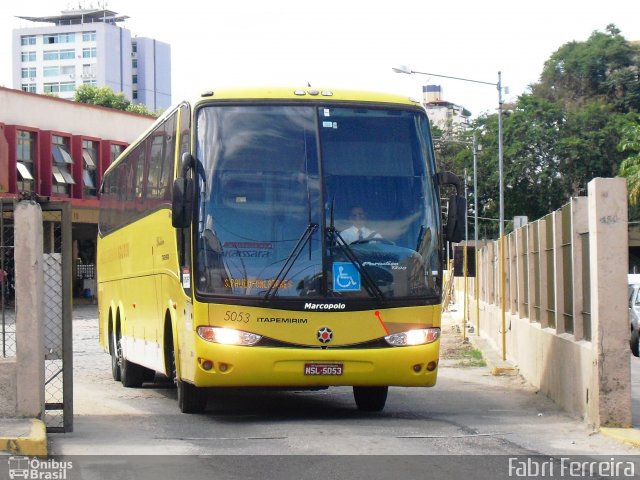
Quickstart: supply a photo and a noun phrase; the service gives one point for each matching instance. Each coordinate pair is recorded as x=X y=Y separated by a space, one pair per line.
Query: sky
x=353 y=44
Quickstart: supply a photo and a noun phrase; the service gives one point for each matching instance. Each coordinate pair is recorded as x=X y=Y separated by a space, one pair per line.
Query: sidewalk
x=23 y=436
x=498 y=366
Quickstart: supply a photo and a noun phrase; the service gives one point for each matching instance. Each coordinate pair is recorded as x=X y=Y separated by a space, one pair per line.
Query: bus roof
x=308 y=93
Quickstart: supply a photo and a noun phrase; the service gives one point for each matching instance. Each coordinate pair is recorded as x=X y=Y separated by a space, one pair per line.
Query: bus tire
x=131 y=374
x=191 y=399
x=114 y=349
x=370 y=399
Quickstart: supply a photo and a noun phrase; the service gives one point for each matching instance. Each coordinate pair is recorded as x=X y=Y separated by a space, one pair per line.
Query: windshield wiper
x=291 y=259
x=369 y=283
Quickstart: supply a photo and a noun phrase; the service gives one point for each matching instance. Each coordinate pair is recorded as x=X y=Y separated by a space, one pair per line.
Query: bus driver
x=358 y=232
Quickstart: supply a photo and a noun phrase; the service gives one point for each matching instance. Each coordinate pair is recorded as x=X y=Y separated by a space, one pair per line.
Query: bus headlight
x=413 y=337
x=227 y=336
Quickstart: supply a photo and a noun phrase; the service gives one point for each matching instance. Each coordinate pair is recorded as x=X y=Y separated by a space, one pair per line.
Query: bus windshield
x=315 y=202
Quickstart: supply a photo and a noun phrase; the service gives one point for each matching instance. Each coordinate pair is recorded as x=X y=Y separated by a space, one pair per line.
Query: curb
x=625 y=435
x=496 y=365
x=25 y=437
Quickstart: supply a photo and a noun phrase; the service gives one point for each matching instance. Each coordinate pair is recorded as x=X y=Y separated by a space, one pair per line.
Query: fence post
x=609 y=396
x=29 y=310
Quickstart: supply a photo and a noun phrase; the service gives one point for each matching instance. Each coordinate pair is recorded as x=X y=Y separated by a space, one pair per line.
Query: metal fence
x=57 y=322
x=56 y=229
x=7 y=293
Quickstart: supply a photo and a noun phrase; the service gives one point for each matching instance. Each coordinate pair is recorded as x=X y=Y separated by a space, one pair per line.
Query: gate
x=56 y=227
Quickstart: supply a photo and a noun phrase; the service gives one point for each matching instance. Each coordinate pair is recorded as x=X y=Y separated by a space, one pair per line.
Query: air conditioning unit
x=32 y=79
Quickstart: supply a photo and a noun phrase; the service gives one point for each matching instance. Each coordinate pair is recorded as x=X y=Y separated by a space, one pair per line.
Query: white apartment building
x=86 y=46
x=447 y=116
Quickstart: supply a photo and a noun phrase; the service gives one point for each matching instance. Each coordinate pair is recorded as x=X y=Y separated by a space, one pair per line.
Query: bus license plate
x=323 y=369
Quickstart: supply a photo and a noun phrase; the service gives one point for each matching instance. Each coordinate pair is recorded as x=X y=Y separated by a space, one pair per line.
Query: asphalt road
x=468 y=413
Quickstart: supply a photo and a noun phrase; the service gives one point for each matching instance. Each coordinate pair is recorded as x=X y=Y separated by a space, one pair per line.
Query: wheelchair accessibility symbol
x=346 y=277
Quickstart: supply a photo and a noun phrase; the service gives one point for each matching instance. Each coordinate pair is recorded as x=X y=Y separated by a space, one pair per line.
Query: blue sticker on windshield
x=346 y=277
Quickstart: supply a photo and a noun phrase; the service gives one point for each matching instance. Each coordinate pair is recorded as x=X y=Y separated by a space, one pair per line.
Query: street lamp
x=498 y=85
x=406 y=70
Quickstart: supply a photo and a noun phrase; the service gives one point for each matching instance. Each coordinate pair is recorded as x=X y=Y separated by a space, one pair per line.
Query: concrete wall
x=22 y=376
x=565 y=320
x=48 y=113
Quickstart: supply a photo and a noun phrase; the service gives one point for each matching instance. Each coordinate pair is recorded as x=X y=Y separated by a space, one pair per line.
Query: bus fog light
x=417 y=367
x=431 y=366
x=227 y=336
x=223 y=367
x=207 y=365
x=419 y=336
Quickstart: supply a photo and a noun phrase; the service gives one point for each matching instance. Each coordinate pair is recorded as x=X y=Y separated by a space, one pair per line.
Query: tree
x=106 y=97
x=603 y=67
x=567 y=130
x=630 y=167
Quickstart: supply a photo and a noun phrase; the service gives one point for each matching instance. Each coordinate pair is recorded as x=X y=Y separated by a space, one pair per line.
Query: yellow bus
x=276 y=237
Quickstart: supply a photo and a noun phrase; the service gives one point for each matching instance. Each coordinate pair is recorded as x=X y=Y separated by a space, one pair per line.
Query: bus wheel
x=115 y=349
x=131 y=374
x=370 y=399
x=191 y=399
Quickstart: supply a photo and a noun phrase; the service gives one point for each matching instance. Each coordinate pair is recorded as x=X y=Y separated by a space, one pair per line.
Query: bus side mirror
x=454 y=228
x=182 y=201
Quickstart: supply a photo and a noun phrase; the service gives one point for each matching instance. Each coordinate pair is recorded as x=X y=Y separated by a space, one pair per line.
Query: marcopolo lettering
x=324 y=306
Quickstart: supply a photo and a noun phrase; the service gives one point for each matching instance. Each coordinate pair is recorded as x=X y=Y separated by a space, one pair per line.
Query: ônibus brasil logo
x=38 y=469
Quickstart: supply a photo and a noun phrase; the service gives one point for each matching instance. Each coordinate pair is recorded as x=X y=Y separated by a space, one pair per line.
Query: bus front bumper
x=237 y=366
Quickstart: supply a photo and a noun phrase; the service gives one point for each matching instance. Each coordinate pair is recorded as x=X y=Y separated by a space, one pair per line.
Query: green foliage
x=579 y=122
x=630 y=167
x=604 y=67
x=106 y=97
x=102 y=96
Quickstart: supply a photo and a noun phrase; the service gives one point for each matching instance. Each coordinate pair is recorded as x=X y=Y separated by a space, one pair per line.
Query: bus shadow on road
x=251 y=403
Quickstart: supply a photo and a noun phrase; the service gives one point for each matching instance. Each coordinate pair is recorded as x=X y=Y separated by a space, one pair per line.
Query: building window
x=135 y=79
x=51 y=71
x=28 y=72
x=57 y=87
x=51 y=55
x=89 y=70
x=68 y=54
x=134 y=63
x=93 y=83
x=29 y=87
x=68 y=70
x=59 y=38
x=25 y=160
x=134 y=95
x=88 y=36
x=89 y=52
x=89 y=157
x=67 y=86
x=28 y=56
x=62 y=162
x=116 y=150
x=28 y=40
